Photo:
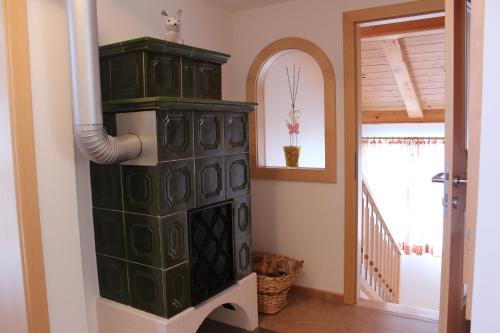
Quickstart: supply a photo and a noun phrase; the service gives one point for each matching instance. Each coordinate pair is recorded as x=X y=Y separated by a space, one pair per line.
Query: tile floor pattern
x=210 y=326
x=312 y=315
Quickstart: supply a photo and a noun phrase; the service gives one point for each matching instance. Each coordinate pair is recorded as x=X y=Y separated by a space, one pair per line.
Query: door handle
x=440 y=177
x=457 y=181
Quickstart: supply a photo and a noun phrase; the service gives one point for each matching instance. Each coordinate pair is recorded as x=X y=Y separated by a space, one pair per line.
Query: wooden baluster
x=384 y=262
x=371 y=252
x=376 y=262
x=388 y=266
x=398 y=265
x=365 y=233
x=379 y=254
x=391 y=279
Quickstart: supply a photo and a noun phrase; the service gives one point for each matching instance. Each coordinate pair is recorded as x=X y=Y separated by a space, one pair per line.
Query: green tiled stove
x=172 y=228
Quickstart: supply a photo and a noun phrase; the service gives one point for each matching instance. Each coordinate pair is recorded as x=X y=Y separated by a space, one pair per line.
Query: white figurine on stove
x=173 y=27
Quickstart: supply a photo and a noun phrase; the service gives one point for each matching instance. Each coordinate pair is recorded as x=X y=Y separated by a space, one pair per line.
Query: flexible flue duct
x=90 y=134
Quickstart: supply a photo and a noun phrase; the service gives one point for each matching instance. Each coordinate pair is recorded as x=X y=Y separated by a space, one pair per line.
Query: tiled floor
x=310 y=315
x=210 y=326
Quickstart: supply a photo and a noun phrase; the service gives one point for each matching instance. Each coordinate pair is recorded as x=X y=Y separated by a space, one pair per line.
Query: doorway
x=402 y=147
x=452 y=314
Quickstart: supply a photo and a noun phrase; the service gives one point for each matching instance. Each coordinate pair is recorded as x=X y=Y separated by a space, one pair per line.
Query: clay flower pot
x=292 y=156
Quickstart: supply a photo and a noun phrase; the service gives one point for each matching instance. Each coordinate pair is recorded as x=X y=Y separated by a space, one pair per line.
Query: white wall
x=420 y=281
x=12 y=301
x=404 y=130
x=485 y=316
x=63 y=177
x=303 y=220
x=310 y=102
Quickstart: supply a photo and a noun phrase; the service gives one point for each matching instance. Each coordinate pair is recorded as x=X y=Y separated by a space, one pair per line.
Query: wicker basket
x=275 y=276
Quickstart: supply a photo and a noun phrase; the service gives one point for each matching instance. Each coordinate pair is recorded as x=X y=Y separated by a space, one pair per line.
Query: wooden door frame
x=352 y=117
x=21 y=115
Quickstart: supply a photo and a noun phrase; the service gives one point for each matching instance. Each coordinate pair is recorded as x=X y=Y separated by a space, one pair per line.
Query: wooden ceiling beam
x=428 y=26
x=403 y=77
x=398 y=117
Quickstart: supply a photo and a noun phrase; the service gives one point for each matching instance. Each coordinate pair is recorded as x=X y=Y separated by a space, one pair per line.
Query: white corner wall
x=63 y=176
x=302 y=220
x=485 y=316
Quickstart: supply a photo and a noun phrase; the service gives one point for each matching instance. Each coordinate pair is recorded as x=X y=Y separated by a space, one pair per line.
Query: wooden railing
x=380 y=253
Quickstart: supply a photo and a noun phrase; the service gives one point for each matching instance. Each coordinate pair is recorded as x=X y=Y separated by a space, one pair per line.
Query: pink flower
x=293 y=128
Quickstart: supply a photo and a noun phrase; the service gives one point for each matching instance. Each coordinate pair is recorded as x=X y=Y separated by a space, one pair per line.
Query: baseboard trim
x=325 y=295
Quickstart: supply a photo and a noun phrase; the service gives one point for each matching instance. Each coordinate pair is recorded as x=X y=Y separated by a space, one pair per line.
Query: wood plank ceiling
x=402 y=71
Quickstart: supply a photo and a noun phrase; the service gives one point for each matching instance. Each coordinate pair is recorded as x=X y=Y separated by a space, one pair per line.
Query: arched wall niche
x=255 y=93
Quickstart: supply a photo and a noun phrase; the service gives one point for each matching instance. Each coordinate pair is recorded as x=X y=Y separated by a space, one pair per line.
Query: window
x=269 y=86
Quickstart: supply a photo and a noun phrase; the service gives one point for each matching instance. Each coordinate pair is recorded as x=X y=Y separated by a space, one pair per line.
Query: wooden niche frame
x=255 y=93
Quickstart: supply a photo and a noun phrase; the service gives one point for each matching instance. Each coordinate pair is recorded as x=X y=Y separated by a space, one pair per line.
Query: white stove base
x=114 y=317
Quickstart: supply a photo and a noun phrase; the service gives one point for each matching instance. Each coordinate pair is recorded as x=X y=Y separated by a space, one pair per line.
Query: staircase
x=380 y=254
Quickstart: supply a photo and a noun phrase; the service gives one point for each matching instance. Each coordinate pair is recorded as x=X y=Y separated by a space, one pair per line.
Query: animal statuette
x=173 y=27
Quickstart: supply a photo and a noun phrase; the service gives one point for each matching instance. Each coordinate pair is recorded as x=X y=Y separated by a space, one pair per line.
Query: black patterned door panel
x=236 y=133
x=243 y=257
x=242 y=219
x=208 y=80
x=208 y=133
x=175 y=140
x=237 y=175
x=211 y=250
x=127 y=79
x=210 y=180
x=164 y=75
x=177 y=186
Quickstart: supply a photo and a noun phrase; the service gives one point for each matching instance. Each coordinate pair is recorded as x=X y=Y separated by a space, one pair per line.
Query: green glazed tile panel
x=163 y=74
x=143 y=239
x=106 y=186
x=127 y=76
x=175 y=135
x=243 y=257
x=177 y=186
x=109 y=232
x=242 y=218
x=158 y=45
x=210 y=180
x=237 y=175
x=208 y=134
x=177 y=289
x=236 y=133
x=174 y=233
x=113 y=279
x=140 y=189
x=146 y=289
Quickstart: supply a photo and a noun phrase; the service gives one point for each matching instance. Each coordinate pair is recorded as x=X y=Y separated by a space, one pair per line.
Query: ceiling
x=235 y=5
x=388 y=57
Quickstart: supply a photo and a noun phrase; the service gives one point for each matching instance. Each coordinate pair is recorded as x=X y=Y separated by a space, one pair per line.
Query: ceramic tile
x=143 y=239
x=113 y=281
x=109 y=232
x=146 y=289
